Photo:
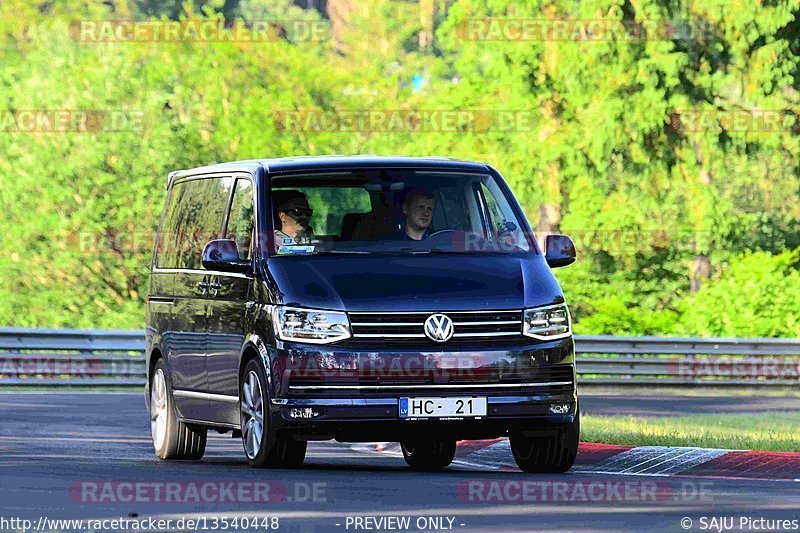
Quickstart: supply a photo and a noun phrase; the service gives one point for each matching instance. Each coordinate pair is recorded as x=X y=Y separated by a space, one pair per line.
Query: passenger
x=418 y=209
x=292 y=217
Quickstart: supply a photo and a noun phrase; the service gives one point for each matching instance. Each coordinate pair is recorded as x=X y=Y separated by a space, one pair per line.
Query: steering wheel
x=441 y=232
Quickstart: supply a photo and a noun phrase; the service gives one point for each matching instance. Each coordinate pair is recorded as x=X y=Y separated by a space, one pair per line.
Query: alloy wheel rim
x=158 y=409
x=252 y=414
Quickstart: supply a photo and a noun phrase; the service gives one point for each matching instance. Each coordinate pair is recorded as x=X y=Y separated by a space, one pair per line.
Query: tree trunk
x=339 y=13
x=700 y=271
x=427 y=13
x=549 y=219
x=550 y=208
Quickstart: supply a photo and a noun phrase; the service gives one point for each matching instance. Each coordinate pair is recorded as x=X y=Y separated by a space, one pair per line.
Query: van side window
x=502 y=217
x=200 y=214
x=241 y=218
x=495 y=213
x=167 y=254
x=452 y=211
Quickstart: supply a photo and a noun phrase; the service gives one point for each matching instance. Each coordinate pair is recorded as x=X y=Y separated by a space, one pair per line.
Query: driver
x=292 y=217
x=418 y=209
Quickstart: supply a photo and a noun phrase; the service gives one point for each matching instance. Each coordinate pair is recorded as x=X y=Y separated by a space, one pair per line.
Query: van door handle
x=215 y=287
x=203 y=286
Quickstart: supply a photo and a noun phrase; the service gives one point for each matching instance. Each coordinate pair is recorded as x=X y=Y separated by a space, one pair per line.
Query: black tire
x=428 y=455
x=551 y=451
x=180 y=441
x=269 y=449
x=288 y=453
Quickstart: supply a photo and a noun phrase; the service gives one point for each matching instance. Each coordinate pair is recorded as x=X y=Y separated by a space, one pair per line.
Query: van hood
x=413 y=283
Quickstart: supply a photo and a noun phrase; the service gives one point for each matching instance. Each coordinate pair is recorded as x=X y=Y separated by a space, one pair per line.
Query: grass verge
x=776 y=431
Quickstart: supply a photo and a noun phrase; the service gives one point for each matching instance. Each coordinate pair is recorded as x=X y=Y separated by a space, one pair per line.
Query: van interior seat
x=376 y=225
x=349 y=223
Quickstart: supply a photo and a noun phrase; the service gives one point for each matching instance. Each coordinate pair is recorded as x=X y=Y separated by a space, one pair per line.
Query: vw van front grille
x=551 y=379
x=409 y=327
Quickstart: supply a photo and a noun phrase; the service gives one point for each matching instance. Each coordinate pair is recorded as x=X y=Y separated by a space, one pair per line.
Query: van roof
x=318 y=162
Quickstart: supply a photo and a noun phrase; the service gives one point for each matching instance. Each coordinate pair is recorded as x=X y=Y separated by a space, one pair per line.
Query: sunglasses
x=300 y=212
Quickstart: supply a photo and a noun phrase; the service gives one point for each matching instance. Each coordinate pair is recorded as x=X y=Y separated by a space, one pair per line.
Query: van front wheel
x=264 y=447
x=428 y=455
x=550 y=451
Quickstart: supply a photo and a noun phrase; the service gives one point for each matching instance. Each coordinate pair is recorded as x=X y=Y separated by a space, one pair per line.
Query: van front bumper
x=371 y=419
x=526 y=388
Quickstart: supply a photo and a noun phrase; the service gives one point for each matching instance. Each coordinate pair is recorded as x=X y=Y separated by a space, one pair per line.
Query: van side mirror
x=223 y=255
x=559 y=250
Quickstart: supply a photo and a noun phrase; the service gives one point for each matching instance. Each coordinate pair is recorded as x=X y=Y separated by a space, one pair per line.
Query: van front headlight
x=310 y=325
x=547 y=323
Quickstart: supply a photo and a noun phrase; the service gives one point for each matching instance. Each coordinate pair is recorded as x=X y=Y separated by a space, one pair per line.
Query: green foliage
x=610 y=151
x=757 y=295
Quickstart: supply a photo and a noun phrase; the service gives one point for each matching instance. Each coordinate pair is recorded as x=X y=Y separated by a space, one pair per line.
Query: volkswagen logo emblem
x=439 y=328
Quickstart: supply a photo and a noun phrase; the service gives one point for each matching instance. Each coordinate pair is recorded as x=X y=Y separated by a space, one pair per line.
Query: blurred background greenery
x=681 y=230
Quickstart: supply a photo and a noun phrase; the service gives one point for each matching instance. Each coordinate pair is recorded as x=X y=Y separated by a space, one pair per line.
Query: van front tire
x=172 y=439
x=550 y=451
x=428 y=455
x=264 y=447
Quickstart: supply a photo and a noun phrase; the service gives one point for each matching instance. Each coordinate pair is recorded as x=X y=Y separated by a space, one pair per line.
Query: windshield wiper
x=401 y=251
x=428 y=251
x=341 y=252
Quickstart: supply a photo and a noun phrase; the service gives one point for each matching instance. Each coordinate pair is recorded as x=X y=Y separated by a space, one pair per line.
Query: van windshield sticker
x=295 y=249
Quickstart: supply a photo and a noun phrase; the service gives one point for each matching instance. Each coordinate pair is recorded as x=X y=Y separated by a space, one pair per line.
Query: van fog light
x=559 y=408
x=305 y=412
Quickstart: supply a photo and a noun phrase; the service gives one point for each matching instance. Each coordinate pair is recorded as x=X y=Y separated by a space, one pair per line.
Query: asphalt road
x=668 y=405
x=88 y=456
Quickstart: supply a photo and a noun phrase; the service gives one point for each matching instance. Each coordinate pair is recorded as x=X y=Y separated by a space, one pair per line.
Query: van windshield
x=393 y=211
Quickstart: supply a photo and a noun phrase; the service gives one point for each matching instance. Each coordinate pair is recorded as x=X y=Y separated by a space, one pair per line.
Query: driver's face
x=295 y=217
x=419 y=213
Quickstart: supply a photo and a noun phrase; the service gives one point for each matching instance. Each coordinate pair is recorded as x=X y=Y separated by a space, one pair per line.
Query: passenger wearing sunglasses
x=292 y=217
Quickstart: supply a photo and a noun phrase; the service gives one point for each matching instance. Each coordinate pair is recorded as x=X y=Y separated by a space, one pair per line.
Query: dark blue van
x=359 y=299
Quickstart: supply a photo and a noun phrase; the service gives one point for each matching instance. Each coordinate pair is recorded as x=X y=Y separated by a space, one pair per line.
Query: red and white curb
x=658 y=461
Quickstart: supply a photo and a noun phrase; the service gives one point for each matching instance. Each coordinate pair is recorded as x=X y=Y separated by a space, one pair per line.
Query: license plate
x=442 y=407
